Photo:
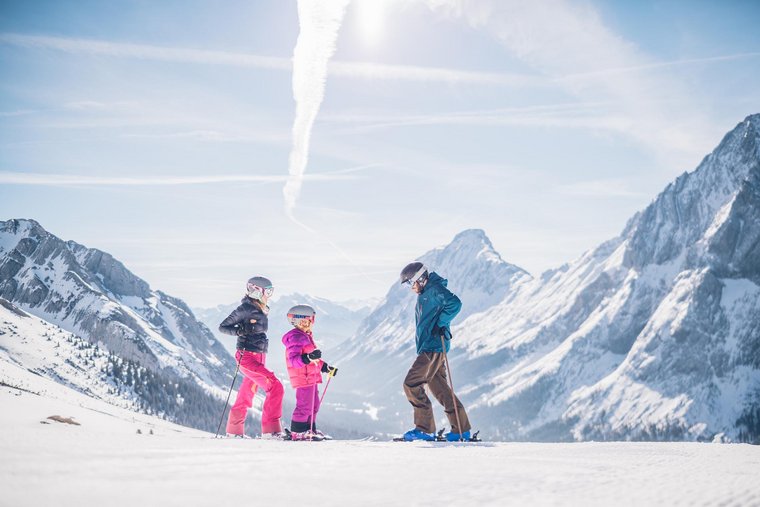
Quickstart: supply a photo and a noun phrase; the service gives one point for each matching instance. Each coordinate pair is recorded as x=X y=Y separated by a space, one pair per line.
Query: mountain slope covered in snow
x=653 y=334
x=375 y=359
x=49 y=352
x=93 y=296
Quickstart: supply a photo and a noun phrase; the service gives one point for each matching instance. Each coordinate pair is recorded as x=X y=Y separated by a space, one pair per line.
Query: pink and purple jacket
x=296 y=343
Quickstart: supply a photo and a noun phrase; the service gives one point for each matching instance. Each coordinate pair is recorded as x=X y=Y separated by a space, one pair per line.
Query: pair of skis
x=440 y=437
x=313 y=438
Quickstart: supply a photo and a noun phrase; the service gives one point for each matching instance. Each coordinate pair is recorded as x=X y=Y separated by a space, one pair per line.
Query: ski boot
x=417 y=434
x=307 y=435
x=324 y=437
x=235 y=435
x=276 y=435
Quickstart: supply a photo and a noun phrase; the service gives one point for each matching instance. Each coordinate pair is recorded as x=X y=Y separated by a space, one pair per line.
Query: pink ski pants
x=256 y=376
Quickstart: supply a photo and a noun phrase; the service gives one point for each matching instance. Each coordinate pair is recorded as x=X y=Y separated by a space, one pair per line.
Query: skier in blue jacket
x=435 y=309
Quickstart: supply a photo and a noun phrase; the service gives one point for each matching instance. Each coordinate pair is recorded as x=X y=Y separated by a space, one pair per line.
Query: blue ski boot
x=417 y=434
x=456 y=437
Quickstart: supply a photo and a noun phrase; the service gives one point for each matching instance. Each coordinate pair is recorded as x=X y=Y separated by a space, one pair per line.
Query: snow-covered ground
x=105 y=461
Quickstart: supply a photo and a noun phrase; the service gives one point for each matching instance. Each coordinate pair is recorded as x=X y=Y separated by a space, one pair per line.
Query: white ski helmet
x=259 y=286
x=299 y=312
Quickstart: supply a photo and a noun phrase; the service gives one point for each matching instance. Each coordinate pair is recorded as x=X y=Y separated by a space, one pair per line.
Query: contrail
x=319 y=22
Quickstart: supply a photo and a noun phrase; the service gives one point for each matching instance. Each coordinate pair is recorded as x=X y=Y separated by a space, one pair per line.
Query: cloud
x=375 y=71
x=145 y=52
x=570 y=44
x=600 y=188
x=41 y=179
x=352 y=70
x=217 y=136
x=20 y=112
x=656 y=65
x=576 y=115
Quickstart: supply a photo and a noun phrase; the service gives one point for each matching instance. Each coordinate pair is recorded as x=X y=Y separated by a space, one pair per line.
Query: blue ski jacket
x=436 y=308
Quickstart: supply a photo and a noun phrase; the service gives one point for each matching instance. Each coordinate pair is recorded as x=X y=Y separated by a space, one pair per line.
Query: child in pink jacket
x=305 y=368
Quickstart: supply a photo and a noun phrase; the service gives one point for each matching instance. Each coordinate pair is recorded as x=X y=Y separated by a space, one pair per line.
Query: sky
x=163 y=132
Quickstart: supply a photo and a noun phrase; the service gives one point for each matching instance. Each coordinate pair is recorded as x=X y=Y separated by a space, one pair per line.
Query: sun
x=370 y=19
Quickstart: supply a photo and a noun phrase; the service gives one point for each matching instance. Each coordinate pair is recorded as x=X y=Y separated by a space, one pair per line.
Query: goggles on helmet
x=299 y=317
x=255 y=292
x=295 y=318
x=418 y=276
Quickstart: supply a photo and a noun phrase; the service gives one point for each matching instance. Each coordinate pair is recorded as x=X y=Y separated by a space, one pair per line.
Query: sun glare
x=370 y=18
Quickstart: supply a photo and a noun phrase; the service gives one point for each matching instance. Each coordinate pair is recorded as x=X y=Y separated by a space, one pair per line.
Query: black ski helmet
x=257 y=286
x=299 y=312
x=414 y=272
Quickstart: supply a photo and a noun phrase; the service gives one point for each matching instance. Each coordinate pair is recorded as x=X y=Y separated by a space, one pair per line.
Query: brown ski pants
x=430 y=369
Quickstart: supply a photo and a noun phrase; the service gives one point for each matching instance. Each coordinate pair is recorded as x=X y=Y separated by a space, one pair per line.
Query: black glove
x=245 y=328
x=311 y=356
x=328 y=369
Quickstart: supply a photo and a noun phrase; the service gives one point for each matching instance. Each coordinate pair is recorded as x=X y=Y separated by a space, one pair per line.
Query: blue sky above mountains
x=160 y=132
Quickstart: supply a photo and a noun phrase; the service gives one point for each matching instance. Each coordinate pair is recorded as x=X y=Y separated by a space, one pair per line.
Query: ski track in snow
x=105 y=461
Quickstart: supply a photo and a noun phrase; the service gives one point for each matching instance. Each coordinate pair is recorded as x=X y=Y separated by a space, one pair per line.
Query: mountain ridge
x=91 y=294
x=635 y=339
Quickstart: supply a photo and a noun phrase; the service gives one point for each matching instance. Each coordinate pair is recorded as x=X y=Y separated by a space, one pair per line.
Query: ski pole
x=237 y=369
x=313 y=407
x=451 y=385
x=316 y=391
x=329 y=378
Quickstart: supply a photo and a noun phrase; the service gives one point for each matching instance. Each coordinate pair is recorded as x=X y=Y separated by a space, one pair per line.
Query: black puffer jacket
x=251 y=337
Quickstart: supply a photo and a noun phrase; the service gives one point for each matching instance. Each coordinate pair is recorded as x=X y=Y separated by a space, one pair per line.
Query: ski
x=440 y=437
x=298 y=437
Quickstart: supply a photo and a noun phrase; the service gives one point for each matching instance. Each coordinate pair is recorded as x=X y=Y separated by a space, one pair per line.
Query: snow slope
x=47 y=350
x=119 y=458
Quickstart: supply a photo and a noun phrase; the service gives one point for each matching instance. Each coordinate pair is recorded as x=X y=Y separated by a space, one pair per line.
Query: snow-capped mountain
x=376 y=358
x=654 y=334
x=476 y=273
x=93 y=296
x=36 y=346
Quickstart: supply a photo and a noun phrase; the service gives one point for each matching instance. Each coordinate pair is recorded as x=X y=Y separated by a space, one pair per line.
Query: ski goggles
x=417 y=277
x=295 y=316
x=295 y=319
x=256 y=292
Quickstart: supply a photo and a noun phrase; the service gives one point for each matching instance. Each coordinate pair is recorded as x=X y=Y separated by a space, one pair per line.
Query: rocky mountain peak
x=475 y=272
x=683 y=212
x=471 y=237
x=89 y=292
